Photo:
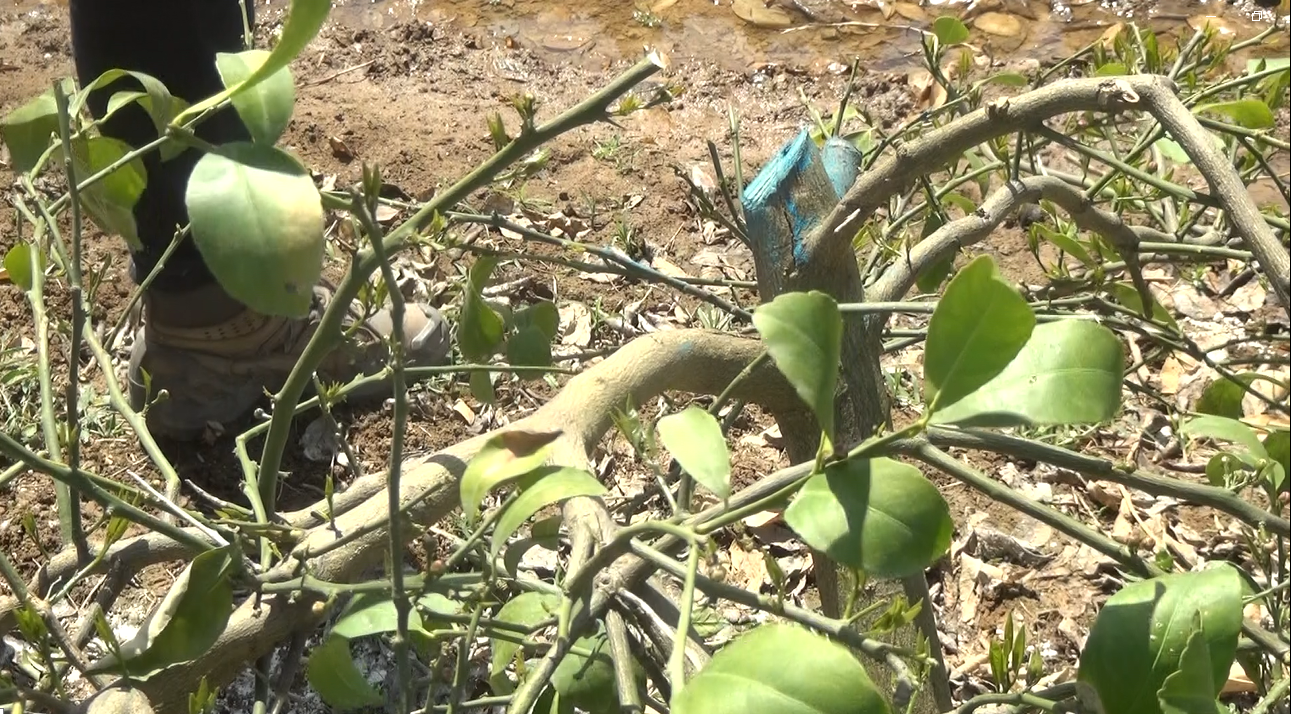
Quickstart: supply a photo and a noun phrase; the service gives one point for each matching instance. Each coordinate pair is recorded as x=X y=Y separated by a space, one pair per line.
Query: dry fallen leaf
x=756 y=13
x=928 y=94
x=998 y=24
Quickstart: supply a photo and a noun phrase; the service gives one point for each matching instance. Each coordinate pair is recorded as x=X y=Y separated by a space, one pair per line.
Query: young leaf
x=526 y=609
x=155 y=99
x=542 y=315
x=480 y=331
x=1069 y=372
x=1140 y=634
x=587 y=682
x=110 y=201
x=1127 y=295
x=1189 y=690
x=804 y=335
x=878 y=515
x=1249 y=113
x=304 y=20
x=265 y=109
x=781 y=669
x=257 y=220
x=949 y=30
x=529 y=348
x=331 y=672
x=482 y=387
x=185 y=623
x=543 y=488
x=694 y=438
x=1227 y=430
x=28 y=131
x=979 y=325
x=1066 y=243
x=1224 y=396
x=504 y=457
x=17 y=265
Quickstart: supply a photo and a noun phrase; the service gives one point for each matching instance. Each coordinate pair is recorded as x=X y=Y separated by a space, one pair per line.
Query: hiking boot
x=216 y=358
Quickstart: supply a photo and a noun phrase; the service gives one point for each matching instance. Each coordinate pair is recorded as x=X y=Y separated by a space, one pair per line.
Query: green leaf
x=503 y=457
x=304 y=20
x=110 y=201
x=1127 y=295
x=17 y=265
x=482 y=387
x=1171 y=150
x=1112 y=69
x=529 y=348
x=1278 y=446
x=27 y=131
x=331 y=672
x=694 y=438
x=1064 y=242
x=1224 y=396
x=258 y=221
x=1249 y=113
x=1257 y=65
x=1221 y=466
x=480 y=331
x=879 y=515
x=156 y=99
x=185 y=623
x=266 y=108
x=1008 y=79
x=781 y=669
x=371 y=613
x=931 y=277
x=1188 y=689
x=526 y=609
x=1140 y=635
x=541 y=489
x=979 y=325
x=949 y=30
x=804 y=335
x=587 y=682
x=1226 y=430
x=1069 y=372
x=542 y=315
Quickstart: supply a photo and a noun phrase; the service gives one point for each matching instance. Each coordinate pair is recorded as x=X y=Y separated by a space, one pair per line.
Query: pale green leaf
x=542 y=488
x=504 y=457
x=694 y=438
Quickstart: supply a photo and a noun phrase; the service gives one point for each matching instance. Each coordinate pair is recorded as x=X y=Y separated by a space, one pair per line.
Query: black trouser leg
x=176 y=42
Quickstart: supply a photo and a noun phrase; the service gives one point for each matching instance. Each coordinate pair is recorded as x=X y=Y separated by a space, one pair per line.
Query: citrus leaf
x=1224 y=429
x=304 y=19
x=1278 y=446
x=526 y=610
x=529 y=348
x=28 y=130
x=257 y=220
x=694 y=438
x=879 y=515
x=185 y=623
x=111 y=200
x=156 y=99
x=542 y=315
x=541 y=489
x=1008 y=79
x=480 y=330
x=1249 y=113
x=804 y=335
x=949 y=30
x=371 y=613
x=1064 y=242
x=1223 y=397
x=503 y=457
x=331 y=672
x=1139 y=636
x=979 y=325
x=781 y=669
x=482 y=386
x=1188 y=689
x=265 y=109
x=1069 y=372
x=1259 y=65
x=1111 y=69
x=1128 y=296
x=587 y=681
x=17 y=265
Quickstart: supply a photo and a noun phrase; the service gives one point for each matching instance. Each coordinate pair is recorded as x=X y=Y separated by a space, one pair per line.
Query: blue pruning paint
x=783 y=186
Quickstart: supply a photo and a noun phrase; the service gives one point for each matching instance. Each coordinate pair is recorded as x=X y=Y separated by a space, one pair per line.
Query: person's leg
x=174 y=41
x=212 y=355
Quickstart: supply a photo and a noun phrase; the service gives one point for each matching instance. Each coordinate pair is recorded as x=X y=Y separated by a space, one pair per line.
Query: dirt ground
x=410 y=96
